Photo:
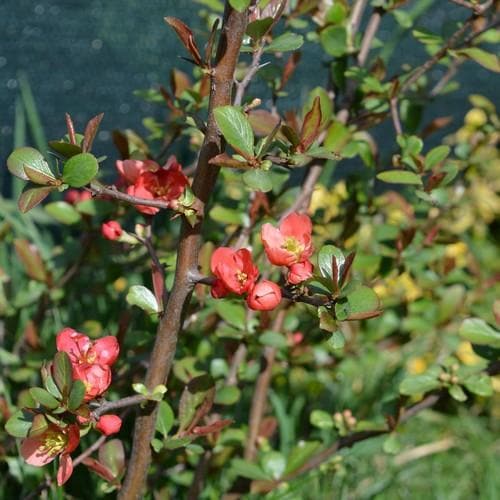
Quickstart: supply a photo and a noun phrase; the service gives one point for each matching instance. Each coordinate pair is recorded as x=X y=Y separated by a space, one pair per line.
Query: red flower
x=234 y=270
x=265 y=296
x=111 y=230
x=73 y=196
x=109 y=424
x=91 y=361
x=166 y=184
x=131 y=169
x=291 y=242
x=297 y=273
x=44 y=448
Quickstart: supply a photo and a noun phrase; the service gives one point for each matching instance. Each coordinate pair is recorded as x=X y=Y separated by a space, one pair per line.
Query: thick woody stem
x=162 y=356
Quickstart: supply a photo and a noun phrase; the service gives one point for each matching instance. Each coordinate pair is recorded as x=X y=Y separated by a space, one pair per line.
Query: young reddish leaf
x=223 y=160
x=62 y=373
x=289 y=69
x=311 y=126
x=179 y=82
x=291 y=135
x=112 y=455
x=186 y=37
x=30 y=257
x=41 y=176
x=158 y=285
x=196 y=401
x=91 y=131
x=202 y=430
x=210 y=44
x=100 y=469
x=71 y=129
x=346 y=267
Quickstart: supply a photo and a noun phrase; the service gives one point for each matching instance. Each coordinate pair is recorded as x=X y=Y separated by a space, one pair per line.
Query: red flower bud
x=297 y=273
x=109 y=424
x=264 y=296
x=111 y=230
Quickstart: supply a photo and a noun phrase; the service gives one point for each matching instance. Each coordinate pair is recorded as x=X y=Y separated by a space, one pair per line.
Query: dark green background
x=87 y=56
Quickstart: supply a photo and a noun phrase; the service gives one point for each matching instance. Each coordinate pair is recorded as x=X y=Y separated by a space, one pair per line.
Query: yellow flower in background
x=416 y=365
x=476 y=117
x=328 y=200
x=120 y=285
x=403 y=286
x=459 y=252
x=466 y=354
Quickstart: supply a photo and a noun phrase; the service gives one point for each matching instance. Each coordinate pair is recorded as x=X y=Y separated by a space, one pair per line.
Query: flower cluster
x=90 y=361
x=62 y=408
x=146 y=179
x=289 y=245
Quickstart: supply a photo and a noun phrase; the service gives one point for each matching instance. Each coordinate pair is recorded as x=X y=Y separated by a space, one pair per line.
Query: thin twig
x=370 y=32
x=260 y=394
x=108 y=406
x=93 y=447
x=252 y=70
x=478 y=8
x=427 y=65
x=395 y=115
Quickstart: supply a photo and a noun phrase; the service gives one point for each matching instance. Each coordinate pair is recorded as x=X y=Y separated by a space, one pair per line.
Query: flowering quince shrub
x=293 y=281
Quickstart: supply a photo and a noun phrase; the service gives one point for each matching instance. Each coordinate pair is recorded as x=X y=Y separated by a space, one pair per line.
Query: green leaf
x=362 y=303
x=144 y=298
x=63 y=373
x=486 y=59
x=479 y=384
x=418 y=384
x=479 y=332
x=232 y=312
x=19 y=424
x=65 y=149
x=236 y=129
x=392 y=445
x=300 y=454
x=457 y=393
x=249 y=470
x=44 y=397
x=227 y=395
x=198 y=393
x=285 y=42
x=436 y=156
x=337 y=340
x=400 y=177
x=258 y=28
x=239 y=5
x=63 y=212
x=258 y=180
x=76 y=395
x=273 y=339
x=325 y=260
x=112 y=455
x=32 y=195
x=273 y=463
x=80 y=169
x=21 y=157
x=321 y=419
x=334 y=40
x=165 y=418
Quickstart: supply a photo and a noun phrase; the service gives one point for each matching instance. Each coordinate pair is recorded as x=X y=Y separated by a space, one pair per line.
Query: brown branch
x=478 y=8
x=99 y=189
x=109 y=406
x=93 y=447
x=260 y=394
x=252 y=70
x=395 y=115
x=356 y=16
x=162 y=356
x=369 y=35
x=199 y=476
x=427 y=65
